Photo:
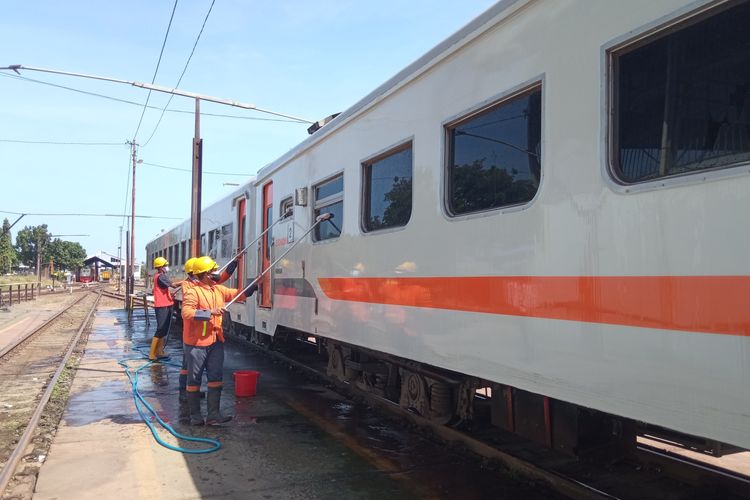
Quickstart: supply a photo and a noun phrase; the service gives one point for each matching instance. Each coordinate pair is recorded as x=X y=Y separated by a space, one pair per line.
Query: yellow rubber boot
x=160 y=348
x=154 y=348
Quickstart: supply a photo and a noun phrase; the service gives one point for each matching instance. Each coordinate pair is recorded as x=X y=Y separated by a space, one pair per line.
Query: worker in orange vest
x=188 y=282
x=163 y=302
x=203 y=338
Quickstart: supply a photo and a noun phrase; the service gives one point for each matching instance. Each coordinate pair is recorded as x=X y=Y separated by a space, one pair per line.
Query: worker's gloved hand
x=231 y=267
x=251 y=290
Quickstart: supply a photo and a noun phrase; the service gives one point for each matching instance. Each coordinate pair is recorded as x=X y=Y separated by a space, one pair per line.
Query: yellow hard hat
x=189 y=264
x=160 y=262
x=204 y=264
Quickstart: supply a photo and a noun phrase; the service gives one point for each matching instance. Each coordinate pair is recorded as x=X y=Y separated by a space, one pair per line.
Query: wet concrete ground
x=294 y=439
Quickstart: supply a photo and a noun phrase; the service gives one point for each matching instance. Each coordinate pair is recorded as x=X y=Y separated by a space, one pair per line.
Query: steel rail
x=9 y=468
x=36 y=330
x=694 y=471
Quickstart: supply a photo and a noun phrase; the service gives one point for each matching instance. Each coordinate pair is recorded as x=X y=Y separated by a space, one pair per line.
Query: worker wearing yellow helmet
x=218 y=278
x=203 y=339
x=163 y=302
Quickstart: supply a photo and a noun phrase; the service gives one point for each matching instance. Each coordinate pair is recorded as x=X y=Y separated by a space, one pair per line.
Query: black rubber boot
x=214 y=413
x=194 y=406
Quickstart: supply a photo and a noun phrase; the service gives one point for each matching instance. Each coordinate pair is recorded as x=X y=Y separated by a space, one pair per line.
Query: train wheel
x=414 y=393
x=336 y=365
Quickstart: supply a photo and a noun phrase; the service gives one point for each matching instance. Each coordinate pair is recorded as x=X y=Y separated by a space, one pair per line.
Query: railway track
x=649 y=472
x=34 y=364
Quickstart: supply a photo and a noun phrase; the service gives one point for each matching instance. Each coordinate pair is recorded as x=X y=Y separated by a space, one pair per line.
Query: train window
x=213 y=240
x=203 y=244
x=387 y=189
x=226 y=241
x=682 y=99
x=183 y=252
x=494 y=156
x=329 y=198
x=286 y=205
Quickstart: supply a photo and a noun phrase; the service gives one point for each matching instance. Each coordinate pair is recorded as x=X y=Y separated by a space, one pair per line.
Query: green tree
x=479 y=187
x=8 y=256
x=67 y=255
x=30 y=241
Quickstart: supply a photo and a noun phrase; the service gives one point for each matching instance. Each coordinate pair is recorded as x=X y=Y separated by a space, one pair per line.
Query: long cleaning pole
x=285 y=217
x=322 y=217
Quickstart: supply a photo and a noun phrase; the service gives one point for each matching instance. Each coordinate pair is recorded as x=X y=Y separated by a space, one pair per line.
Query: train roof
x=456 y=41
x=234 y=194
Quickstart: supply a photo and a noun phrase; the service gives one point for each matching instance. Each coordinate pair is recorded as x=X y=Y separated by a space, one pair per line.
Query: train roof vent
x=320 y=123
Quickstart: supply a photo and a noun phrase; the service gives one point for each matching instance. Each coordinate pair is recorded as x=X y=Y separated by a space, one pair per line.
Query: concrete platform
x=103 y=450
x=294 y=439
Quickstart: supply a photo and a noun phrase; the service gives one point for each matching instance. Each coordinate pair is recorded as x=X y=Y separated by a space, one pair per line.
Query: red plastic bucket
x=245 y=382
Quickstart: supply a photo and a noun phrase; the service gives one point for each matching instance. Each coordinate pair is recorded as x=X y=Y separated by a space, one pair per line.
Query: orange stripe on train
x=708 y=304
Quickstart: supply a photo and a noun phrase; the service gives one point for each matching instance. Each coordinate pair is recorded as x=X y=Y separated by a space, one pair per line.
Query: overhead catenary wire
x=197 y=39
x=133 y=103
x=89 y=215
x=158 y=63
x=159 y=88
x=189 y=170
x=64 y=143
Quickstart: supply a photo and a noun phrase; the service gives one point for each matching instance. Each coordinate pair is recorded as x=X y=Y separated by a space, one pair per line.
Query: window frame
x=367 y=162
x=624 y=44
x=284 y=201
x=327 y=201
x=536 y=83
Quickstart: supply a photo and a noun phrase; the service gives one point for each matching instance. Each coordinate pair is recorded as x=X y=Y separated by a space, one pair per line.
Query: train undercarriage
x=465 y=402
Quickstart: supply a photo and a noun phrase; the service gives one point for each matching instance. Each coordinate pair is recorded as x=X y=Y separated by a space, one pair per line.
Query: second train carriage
x=225 y=228
x=550 y=203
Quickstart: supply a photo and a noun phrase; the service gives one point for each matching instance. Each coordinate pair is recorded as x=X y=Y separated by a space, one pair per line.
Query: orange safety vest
x=202 y=296
x=162 y=297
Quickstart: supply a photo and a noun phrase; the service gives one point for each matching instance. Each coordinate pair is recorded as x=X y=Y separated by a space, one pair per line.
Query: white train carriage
x=225 y=226
x=553 y=200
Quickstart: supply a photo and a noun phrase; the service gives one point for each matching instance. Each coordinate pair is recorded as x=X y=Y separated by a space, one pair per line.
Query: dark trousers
x=204 y=358
x=163 y=320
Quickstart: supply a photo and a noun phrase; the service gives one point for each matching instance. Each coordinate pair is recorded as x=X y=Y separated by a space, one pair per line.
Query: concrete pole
x=131 y=260
x=195 y=207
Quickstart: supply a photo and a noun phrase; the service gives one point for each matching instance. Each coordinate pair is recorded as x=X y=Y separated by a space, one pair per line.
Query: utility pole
x=131 y=257
x=119 y=262
x=195 y=205
x=127 y=265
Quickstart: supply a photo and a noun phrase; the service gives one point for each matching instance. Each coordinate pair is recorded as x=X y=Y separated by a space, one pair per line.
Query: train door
x=241 y=221
x=265 y=282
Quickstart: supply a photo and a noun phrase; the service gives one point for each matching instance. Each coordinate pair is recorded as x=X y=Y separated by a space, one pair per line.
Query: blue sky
x=307 y=59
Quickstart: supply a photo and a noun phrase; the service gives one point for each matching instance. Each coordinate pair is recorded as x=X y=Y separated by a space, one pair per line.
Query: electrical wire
x=89 y=215
x=181 y=75
x=190 y=170
x=65 y=143
x=133 y=103
x=158 y=63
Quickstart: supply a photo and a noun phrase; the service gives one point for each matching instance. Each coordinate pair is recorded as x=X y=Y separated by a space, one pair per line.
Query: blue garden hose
x=148 y=420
